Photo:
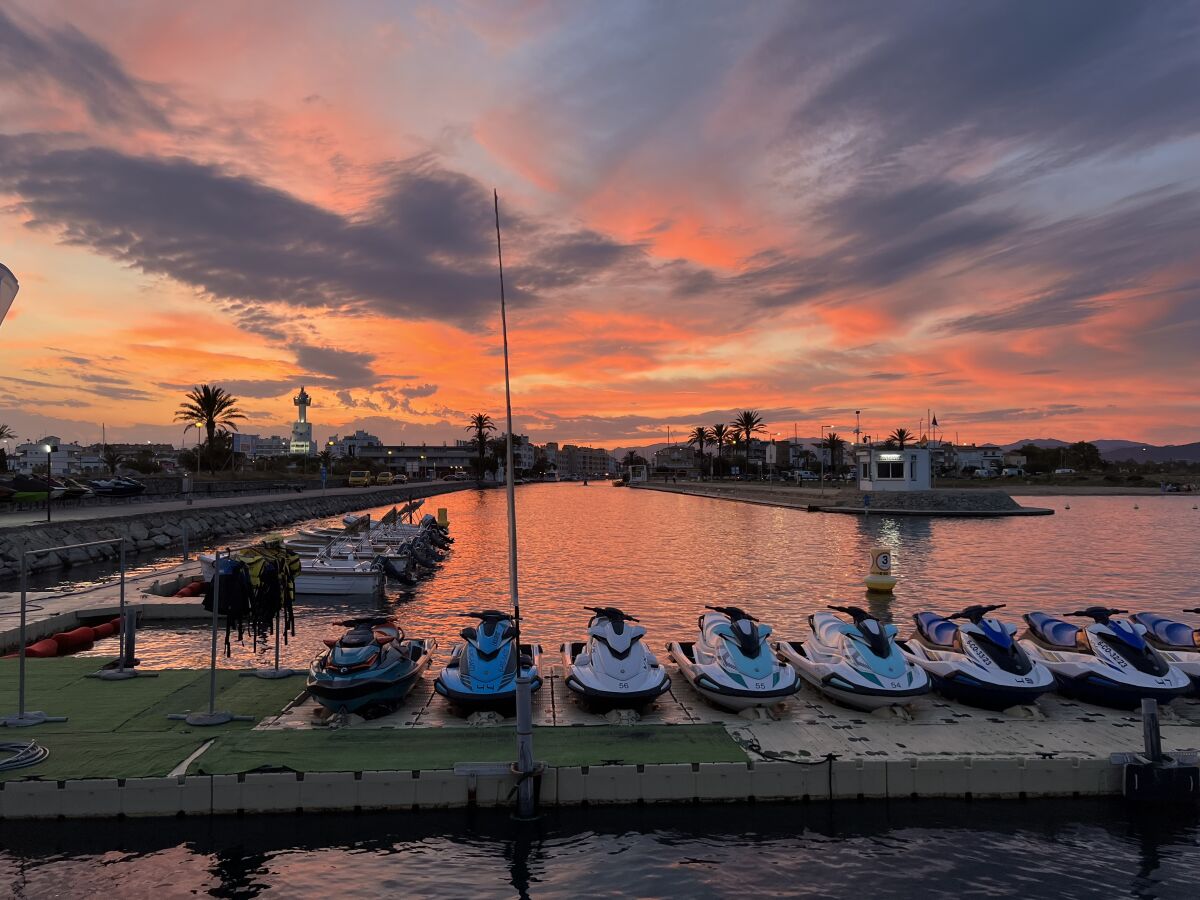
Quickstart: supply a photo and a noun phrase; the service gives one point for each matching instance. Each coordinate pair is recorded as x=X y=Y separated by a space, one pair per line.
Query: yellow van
x=360 y=479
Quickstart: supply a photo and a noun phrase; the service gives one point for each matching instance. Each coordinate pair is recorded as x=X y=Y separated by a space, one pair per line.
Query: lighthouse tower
x=302 y=440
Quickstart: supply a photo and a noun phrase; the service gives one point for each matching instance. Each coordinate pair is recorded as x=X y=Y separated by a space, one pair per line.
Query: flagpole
x=524 y=683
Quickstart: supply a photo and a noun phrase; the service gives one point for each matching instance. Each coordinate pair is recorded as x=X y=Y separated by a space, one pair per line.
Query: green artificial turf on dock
x=121 y=730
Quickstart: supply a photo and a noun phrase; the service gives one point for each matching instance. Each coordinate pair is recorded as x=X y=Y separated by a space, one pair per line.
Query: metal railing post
x=126 y=663
x=23 y=718
x=183 y=525
x=21 y=675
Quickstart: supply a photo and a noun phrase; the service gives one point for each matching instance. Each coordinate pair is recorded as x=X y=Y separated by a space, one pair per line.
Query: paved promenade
x=149 y=507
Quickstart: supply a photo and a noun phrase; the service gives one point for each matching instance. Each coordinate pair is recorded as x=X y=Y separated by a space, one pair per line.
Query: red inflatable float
x=67 y=642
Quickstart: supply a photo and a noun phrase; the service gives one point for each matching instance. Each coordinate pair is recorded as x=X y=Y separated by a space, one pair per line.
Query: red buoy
x=43 y=649
x=76 y=639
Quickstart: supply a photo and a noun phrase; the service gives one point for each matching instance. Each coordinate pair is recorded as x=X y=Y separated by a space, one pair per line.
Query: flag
x=8 y=290
x=934 y=422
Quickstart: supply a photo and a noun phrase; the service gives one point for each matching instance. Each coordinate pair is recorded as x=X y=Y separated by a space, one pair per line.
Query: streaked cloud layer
x=990 y=209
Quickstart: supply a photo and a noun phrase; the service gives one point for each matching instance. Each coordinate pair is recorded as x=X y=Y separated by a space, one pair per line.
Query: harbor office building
x=890 y=469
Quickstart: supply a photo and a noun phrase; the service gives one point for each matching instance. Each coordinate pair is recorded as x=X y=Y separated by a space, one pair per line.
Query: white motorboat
x=324 y=576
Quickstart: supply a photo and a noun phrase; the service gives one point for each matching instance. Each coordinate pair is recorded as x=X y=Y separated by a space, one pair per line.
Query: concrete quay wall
x=936 y=502
x=290 y=792
x=153 y=528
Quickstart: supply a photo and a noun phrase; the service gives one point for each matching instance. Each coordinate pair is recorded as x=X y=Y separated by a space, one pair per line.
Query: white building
x=351 y=444
x=882 y=469
x=302 y=439
x=64 y=458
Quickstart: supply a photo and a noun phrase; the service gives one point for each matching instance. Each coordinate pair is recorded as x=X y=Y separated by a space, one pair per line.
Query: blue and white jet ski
x=856 y=663
x=370 y=668
x=1178 y=642
x=482 y=672
x=1108 y=662
x=731 y=665
x=979 y=662
x=614 y=669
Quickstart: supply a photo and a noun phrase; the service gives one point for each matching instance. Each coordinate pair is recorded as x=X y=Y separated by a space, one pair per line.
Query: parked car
x=807 y=476
x=399 y=478
x=385 y=478
x=360 y=478
x=1012 y=472
x=1064 y=471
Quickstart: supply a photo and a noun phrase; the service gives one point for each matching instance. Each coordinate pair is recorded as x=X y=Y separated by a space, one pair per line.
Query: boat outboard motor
x=397 y=570
x=1108 y=662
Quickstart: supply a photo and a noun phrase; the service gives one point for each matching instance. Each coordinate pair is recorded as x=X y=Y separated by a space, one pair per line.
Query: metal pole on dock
x=1150 y=732
x=23 y=718
x=126 y=664
x=213 y=716
x=184 y=537
x=275 y=672
x=524 y=768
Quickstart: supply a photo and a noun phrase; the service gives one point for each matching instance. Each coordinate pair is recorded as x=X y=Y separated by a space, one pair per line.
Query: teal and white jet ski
x=856 y=662
x=730 y=663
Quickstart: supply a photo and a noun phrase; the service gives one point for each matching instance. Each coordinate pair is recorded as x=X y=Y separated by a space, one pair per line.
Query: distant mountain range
x=1123 y=451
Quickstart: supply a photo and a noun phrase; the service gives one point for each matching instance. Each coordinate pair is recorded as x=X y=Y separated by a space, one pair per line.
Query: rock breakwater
x=146 y=530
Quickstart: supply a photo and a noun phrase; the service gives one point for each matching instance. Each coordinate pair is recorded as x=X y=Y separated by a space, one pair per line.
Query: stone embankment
x=965 y=503
x=148 y=528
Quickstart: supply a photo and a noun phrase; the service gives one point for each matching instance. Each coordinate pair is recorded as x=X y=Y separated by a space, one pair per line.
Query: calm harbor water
x=1084 y=849
x=663 y=556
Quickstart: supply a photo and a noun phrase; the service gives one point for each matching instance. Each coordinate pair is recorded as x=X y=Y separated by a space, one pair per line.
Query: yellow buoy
x=880 y=579
x=443 y=519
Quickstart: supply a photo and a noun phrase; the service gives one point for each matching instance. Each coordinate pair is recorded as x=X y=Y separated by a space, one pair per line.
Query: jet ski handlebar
x=611 y=613
x=1100 y=614
x=732 y=612
x=485 y=615
x=369 y=621
x=977 y=612
x=858 y=614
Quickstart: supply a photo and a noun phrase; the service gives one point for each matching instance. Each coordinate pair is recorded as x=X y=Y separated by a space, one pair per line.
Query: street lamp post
x=50 y=448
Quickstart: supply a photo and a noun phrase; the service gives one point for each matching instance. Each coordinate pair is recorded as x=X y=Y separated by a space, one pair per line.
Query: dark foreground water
x=1080 y=849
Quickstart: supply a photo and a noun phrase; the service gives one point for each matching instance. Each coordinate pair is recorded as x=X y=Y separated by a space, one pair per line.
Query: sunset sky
x=990 y=209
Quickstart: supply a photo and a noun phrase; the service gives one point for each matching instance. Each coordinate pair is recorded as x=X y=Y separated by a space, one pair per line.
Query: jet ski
x=368 y=669
x=855 y=663
x=978 y=662
x=482 y=672
x=1108 y=662
x=731 y=664
x=613 y=668
x=1178 y=642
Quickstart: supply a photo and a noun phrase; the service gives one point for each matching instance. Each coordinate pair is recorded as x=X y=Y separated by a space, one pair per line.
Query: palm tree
x=719 y=435
x=700 y=436
x=633 y=458
x=901 y=436
x=325 y=458
x=6 y=433
x=111 y=458
x=834 y=444
x=745 y=425
x=213 y=408
x=481 y=424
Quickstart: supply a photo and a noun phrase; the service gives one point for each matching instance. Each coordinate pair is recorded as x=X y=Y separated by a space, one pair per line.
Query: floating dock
x=119 y=754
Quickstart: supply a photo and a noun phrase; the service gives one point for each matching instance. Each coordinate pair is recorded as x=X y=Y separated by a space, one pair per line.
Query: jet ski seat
x=358 y=637
x=936 y=629
x=827 y=627
x=1170 y=633
x=1053 y=631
